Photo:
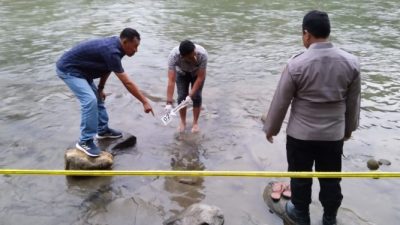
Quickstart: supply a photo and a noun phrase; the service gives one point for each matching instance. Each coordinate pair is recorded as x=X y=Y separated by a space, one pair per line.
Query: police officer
x=322 y=85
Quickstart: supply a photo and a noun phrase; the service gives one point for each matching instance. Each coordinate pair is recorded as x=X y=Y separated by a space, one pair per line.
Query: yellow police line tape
x=199 y=173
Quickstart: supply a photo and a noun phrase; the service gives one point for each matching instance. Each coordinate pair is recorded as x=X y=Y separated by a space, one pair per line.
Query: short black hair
x=129 y=34
x=317 y=23
x=186 y=47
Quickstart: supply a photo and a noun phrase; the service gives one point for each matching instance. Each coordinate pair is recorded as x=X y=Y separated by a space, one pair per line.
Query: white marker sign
x=167 y=118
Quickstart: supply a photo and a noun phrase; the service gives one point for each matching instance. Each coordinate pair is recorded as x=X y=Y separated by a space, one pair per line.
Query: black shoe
x=109 y=133
x=300 y=217
x=329 y=219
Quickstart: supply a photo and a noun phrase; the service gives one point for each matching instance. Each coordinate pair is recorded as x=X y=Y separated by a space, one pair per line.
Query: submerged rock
x=77 y=160
x=104 y=208
x=198 y=214
x=384 y=162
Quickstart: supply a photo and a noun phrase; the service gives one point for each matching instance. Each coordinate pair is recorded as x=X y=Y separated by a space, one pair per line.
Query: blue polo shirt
x=93 y=59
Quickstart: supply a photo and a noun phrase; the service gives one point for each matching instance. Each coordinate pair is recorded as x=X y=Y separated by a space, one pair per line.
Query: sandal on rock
x=287 y=193
x=277 y=189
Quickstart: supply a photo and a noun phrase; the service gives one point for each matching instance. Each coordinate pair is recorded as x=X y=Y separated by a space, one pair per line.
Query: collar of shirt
x=320 y=45
x=119 y=46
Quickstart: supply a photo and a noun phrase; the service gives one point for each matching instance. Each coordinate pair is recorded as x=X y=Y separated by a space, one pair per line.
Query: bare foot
x=195 y=128
x=181 y=127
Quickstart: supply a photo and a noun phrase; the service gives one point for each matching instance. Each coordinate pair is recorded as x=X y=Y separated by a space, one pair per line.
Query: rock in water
x=126 y=142
x=116 y=146
x=345 y=216
x=372 y=164
x=77 y=160
x=277 y=207
x=198 y=214
x=384 y=162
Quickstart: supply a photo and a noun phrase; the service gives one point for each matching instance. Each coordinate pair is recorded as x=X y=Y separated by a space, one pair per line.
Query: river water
x=248 y=43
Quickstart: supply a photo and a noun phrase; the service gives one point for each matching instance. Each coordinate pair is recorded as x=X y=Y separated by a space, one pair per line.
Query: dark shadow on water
x=87 y=182
x=95 y=194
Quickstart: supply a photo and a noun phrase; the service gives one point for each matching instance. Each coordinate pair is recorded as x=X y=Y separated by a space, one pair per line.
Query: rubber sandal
x=277 y=189
x=287 y=192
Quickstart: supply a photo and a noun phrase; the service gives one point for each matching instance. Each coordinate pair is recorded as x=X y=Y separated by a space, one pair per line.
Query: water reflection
x=381 y=93
x=185 y=155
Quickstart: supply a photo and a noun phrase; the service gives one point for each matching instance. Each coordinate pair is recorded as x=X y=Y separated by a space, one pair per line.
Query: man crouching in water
x=187 y=65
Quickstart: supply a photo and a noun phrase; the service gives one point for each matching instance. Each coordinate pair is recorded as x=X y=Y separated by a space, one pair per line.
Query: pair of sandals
x=280 y=189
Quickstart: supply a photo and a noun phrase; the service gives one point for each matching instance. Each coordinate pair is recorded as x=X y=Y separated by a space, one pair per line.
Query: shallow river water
x=248 y=43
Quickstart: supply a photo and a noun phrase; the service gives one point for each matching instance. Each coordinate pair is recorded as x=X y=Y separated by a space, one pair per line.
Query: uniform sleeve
x=353 y=102
x=280 y=103
x=114 y=63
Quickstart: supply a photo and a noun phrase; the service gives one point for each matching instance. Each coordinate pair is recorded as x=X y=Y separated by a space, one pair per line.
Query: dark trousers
x=327 y=156
x=183 y=81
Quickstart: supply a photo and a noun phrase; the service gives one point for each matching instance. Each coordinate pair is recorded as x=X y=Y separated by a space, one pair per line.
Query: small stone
x=372 y=164
x=384 y=162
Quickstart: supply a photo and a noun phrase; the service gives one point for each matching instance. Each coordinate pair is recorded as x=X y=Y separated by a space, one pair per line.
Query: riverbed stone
x=119 y=145
x=372 y=164
x=384 y=162
x=198 y=214
x=78 y=160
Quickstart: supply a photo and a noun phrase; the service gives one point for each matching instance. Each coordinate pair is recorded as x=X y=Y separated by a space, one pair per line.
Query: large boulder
x=78 y=160
x=198 y=214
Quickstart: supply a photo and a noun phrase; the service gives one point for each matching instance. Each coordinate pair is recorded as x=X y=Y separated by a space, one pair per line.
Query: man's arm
x=100 y=86
x=171 y=86
x=102 y=82
x=134 y=90
x=353 y=100
x=201 y=76
x=280 y=103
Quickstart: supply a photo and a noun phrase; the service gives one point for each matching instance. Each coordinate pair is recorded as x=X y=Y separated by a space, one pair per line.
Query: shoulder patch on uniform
x=295 y=55
x=346 y=50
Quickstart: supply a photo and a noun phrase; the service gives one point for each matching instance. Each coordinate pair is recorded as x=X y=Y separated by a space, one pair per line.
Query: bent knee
x=197 y=100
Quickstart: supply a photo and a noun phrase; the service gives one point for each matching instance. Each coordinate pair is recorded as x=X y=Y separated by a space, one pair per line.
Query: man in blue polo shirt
x=94 y=59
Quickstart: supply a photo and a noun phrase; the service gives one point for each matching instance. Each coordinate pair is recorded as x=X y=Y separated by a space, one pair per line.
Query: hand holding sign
x=167 y=118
